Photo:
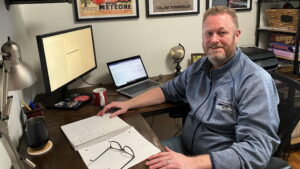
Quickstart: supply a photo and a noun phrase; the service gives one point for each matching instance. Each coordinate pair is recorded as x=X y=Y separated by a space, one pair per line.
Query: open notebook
x=91 y=138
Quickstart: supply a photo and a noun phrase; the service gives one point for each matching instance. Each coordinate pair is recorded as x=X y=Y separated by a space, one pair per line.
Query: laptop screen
x=127 y=71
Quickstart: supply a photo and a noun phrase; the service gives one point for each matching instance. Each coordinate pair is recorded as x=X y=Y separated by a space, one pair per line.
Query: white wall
x=151 y=38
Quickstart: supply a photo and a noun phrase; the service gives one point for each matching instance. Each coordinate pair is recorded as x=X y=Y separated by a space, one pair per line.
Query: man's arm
x=151 y=97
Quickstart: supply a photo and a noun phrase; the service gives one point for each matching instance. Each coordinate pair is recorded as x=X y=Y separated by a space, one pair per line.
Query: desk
x=62 y=155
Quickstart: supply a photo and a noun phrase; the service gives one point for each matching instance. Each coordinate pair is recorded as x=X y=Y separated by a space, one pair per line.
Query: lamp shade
x=20 y=74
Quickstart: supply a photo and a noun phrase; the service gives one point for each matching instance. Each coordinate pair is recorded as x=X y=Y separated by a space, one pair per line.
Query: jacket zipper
x=205 y=98
x=212 y=109
x=193 y=139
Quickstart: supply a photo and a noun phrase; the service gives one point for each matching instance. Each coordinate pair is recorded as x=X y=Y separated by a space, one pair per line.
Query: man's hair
x=216 y=10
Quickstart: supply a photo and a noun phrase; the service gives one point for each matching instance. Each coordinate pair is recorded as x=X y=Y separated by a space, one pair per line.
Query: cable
x=179 y=128
x=88 y=82
x=177 y=132
x=152 y=121
x=159 y=78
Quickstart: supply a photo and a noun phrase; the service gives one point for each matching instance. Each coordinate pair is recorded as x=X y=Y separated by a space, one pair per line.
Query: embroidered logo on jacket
x=224 y=107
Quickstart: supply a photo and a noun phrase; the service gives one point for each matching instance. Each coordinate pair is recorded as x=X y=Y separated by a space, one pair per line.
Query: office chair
x=289 y=116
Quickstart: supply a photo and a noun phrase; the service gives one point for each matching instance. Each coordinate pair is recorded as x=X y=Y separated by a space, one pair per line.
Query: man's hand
x=123 y=107
x=171 y=159
x=152 y=97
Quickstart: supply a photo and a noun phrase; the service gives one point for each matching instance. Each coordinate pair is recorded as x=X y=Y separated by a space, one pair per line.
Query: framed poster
x=171 y=7
x=87 y=10
x=196 y=56
x=238 y=5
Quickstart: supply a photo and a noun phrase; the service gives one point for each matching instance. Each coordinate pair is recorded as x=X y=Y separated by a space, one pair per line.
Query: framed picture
x=196 y=56
x=171 y=7
x=238 y=5
x=88 y=10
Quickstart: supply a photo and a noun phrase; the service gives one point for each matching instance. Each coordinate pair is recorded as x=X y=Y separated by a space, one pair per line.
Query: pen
x=24 y=104
x=32 y=105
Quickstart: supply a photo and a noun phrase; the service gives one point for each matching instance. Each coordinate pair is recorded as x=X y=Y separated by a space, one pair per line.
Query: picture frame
x=238 y=5
x=91 y=10
x=171 y=7
x=196 y=56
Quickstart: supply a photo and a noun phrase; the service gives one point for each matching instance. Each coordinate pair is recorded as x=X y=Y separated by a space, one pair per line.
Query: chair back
x=288 y=109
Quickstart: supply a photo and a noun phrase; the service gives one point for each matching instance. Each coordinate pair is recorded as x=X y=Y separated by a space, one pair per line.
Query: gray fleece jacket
x=233 y=115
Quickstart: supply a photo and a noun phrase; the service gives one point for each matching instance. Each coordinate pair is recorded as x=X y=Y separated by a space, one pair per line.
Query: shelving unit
x=260 y=30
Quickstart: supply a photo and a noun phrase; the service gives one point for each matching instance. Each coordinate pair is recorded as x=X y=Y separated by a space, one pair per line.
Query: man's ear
x=237 y=35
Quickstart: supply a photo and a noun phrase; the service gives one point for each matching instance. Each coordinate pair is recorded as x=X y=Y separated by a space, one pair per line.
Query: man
x=233 y=119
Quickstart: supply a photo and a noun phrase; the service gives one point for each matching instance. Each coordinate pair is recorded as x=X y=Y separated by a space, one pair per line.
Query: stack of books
x=283 y=51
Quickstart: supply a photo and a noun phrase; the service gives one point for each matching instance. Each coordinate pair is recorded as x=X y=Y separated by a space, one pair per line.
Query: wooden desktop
x=63 y=156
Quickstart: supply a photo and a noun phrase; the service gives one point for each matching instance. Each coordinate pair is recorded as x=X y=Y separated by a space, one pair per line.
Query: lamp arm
x=5 y=103
x=16 y=160
x=2 y=88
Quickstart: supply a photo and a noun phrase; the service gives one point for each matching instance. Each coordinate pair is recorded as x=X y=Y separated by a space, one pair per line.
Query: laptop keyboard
x=139 y=87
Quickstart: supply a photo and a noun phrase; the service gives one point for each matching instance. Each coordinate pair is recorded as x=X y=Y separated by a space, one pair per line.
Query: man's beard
x=217 y=61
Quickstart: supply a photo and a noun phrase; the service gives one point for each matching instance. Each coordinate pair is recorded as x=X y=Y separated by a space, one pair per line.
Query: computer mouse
x=113 y=109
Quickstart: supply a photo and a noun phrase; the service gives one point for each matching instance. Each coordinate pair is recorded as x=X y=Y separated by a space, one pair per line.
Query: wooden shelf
x=286 y=58
x=271 y=1
x=295 y=140
x=277 y=30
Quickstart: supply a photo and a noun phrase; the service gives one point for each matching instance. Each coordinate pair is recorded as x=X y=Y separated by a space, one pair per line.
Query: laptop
x=130 y=76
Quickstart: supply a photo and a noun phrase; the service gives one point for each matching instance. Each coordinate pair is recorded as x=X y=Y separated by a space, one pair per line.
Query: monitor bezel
x=44 y=62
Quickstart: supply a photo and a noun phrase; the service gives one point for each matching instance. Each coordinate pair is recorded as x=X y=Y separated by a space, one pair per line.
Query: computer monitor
x=66 y=56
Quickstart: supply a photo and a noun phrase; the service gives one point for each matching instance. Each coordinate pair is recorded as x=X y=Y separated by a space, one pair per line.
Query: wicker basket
x=282 y=18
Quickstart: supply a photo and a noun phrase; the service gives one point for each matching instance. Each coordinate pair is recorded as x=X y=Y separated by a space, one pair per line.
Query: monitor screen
x=66 y=56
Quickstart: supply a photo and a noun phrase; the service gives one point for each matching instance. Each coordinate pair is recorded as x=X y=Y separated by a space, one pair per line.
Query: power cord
x=88 y=82
x=152 y=121
x=177 y=132
x=159 y=78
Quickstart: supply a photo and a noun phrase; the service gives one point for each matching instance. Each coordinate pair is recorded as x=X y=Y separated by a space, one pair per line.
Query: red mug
x=100 y=97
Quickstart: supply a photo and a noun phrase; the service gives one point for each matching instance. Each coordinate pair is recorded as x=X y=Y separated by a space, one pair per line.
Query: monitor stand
x=69 y=100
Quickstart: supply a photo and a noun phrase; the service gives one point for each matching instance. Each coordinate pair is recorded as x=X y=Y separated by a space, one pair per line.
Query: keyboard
x=137 y=88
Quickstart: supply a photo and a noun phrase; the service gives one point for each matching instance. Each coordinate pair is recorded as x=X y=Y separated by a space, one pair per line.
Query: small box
x=37 y=111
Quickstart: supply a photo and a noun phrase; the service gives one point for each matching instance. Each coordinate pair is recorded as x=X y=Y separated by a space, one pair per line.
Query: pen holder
x=37 y=111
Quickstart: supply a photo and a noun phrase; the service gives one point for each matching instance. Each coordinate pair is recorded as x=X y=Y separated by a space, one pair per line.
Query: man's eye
x=209 y=34
x=223 y=33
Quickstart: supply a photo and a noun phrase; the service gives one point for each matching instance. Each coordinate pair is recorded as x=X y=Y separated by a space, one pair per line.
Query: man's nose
x=215 y=38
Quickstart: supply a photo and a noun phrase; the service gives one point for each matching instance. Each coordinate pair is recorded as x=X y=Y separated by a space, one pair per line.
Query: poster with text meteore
x=86 y=10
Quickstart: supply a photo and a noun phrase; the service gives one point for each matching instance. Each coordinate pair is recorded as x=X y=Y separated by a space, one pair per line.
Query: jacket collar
x=217 y=73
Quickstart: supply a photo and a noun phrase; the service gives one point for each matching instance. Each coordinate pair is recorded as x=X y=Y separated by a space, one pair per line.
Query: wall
x=151 y=38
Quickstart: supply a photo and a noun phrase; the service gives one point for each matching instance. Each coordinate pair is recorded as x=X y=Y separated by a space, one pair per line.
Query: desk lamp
x=16 y=75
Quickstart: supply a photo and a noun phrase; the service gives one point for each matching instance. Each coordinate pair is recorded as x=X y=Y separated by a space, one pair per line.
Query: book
x=92 y=137
x=282 y=46
x=283 y=54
